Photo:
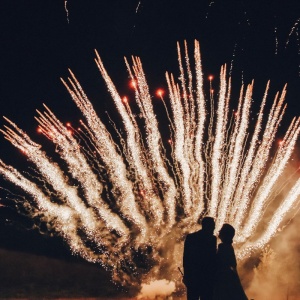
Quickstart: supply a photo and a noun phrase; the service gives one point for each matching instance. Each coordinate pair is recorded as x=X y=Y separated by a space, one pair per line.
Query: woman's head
x=227 y=233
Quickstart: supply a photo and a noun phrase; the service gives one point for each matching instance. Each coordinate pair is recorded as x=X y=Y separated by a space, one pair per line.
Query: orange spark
x=133 y=84
x=160 y=92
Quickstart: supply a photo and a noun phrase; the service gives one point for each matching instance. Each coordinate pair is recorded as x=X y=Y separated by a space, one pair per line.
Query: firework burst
x=127 y=200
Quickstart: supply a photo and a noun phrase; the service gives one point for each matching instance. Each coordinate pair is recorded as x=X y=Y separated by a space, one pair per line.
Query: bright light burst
x=126 y=200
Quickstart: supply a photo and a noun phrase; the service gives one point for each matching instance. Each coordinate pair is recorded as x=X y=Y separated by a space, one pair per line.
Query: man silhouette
x=199 y=261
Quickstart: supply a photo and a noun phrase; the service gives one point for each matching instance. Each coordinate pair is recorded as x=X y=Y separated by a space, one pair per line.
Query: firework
x=126 y=200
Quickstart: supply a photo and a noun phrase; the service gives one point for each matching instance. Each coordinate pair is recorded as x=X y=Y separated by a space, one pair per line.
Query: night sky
x=41 y=39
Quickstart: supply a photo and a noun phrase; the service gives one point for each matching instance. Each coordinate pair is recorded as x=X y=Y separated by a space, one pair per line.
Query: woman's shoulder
x=224 y=247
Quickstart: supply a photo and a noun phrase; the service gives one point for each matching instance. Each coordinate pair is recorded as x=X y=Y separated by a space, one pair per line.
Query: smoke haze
x=277 y=276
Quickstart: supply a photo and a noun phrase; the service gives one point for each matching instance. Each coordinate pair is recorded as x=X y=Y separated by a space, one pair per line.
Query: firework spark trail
x=80 y=169
x=124 y=200
x=281 y=160
x=276 y=41
x=233 y=56
x=247 y=165
x=260 y=158
x=190 y=128
x=219 y=140
x=274 y=223
x=190 y=117
x=188 y=104
x=179 y=144
x=185 y=93
x=61 y=216
x=199 y=132
x=234 y=159
x=136 y=155
x=53 y=174
x=153 y=138
x=183 y=129
x=138 y=6
x=66 y=10
x=294 y=28
x=210 y=4
x=298 y=44
x=113 y=161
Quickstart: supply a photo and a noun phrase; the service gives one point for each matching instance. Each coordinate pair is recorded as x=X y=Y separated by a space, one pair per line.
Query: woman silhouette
x=227 y=283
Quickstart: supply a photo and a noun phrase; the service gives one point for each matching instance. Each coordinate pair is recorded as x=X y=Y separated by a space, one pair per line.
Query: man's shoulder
x=200 y=234
x=194 y=234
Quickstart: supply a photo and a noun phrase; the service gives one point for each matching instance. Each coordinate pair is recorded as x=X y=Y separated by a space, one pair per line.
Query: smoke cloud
x=157 y=289
x=277 y=276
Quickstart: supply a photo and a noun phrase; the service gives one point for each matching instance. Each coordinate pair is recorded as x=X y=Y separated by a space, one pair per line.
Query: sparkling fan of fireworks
x=127 y=202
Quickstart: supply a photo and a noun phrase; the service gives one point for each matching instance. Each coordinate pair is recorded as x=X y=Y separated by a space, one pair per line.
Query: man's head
x=208 y=224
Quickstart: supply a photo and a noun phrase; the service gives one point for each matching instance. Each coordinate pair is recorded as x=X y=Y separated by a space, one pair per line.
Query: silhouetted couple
x=210 y=274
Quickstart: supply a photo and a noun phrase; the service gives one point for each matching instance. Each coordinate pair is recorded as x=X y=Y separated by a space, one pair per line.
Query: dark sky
x=40 y=40
x=38 y=44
